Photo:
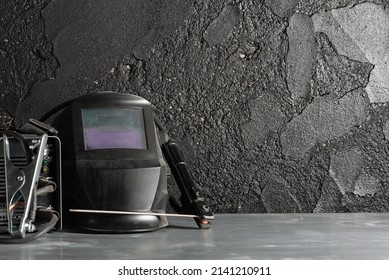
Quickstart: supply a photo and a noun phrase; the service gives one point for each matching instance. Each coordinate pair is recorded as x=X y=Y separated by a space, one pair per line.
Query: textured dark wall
x=279 y=106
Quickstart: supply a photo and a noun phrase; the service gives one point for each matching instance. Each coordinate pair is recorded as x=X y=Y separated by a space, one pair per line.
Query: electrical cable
x=45 y=228
x=45 y=186
x=45 y=190
x=55 y=110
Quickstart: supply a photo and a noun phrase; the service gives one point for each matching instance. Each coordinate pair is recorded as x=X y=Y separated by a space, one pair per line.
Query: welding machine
x=30 y=184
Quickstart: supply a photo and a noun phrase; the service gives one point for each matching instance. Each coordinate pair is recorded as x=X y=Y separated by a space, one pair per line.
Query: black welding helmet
x=112 y=162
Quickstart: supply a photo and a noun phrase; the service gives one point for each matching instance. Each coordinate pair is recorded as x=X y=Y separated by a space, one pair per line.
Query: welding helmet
x=112 y=162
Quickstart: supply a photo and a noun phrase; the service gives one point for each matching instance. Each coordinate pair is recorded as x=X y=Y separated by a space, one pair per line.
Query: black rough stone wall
x=271 y=115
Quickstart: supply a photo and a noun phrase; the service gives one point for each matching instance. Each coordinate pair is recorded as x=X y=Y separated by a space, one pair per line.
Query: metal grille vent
x=19 y=162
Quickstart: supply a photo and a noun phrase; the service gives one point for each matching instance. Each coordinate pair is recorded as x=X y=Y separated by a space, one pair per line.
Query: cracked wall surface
x=360 y=41
x=279 y=106
x=25 y=53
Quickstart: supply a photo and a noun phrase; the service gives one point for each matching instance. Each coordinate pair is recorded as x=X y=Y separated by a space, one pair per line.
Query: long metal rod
x=131 y=213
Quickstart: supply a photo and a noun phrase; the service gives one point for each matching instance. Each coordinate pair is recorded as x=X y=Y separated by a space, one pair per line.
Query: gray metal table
x=233 y=236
